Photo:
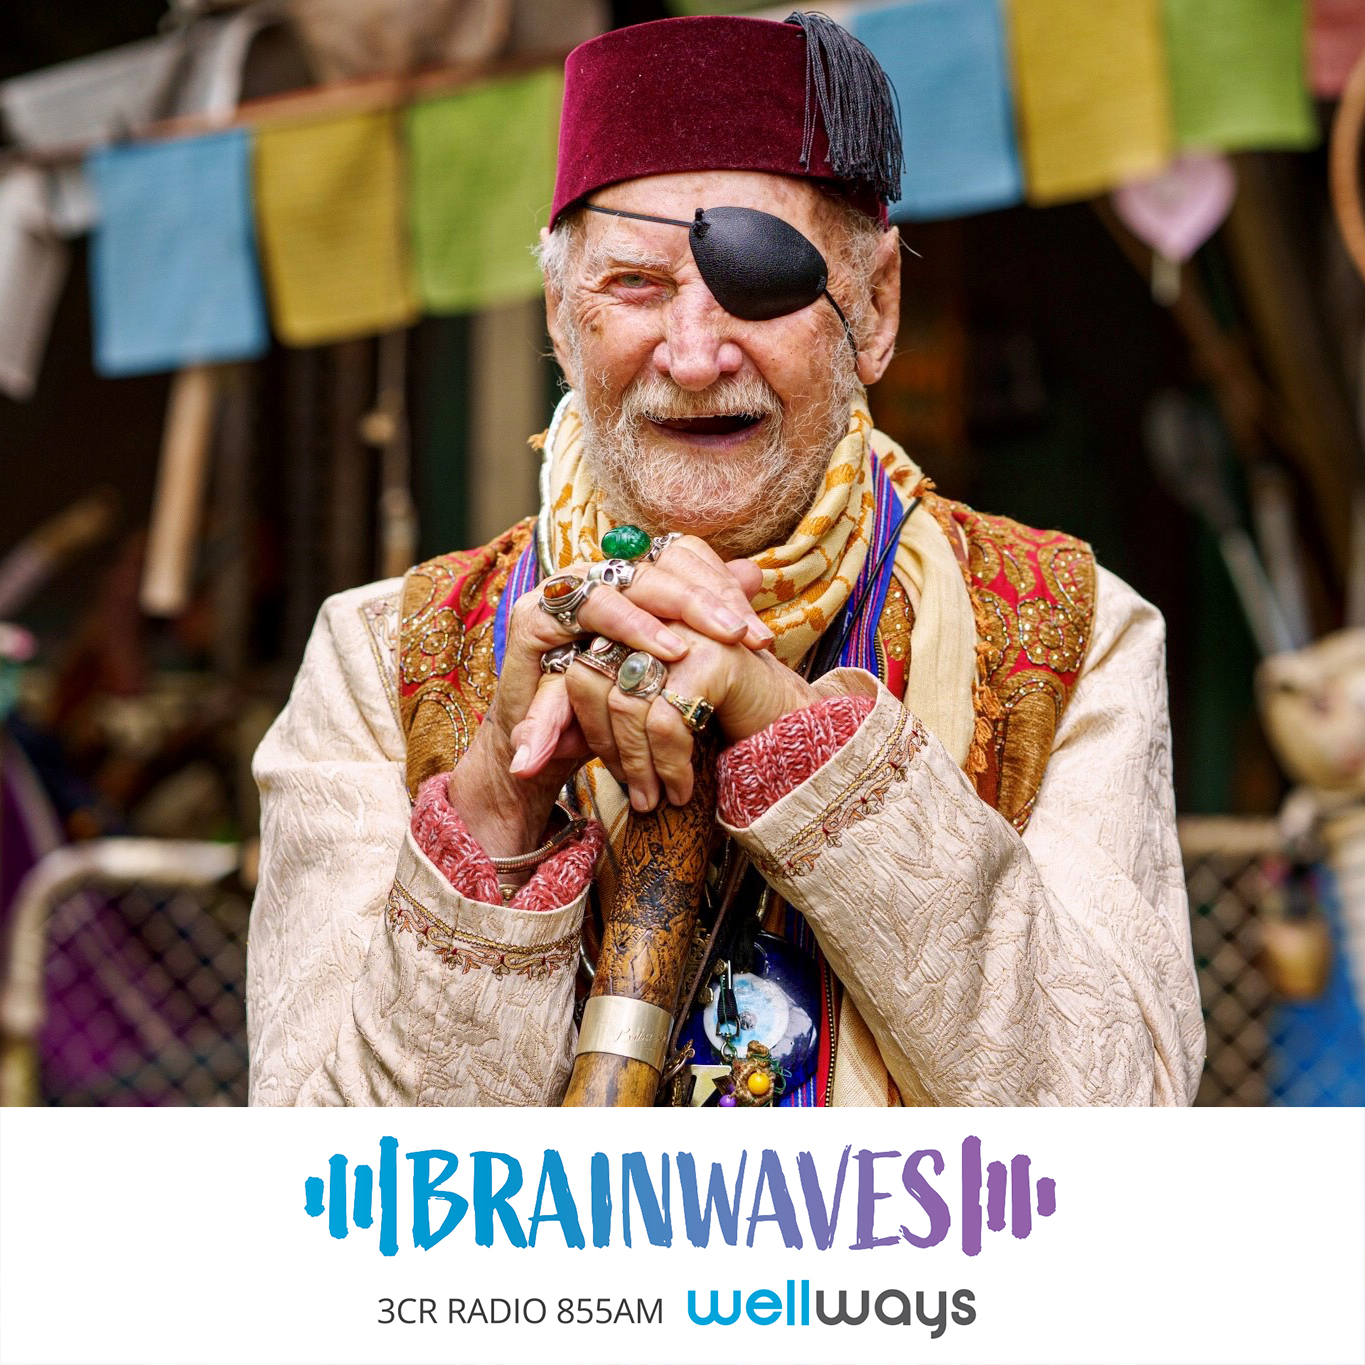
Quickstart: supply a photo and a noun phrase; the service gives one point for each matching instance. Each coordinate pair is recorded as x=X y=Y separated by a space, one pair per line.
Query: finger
x=587 y=692
x=632 y=744
x=666 y=595
x=696 y=562
x=533 y=630
x=747 y=574
x=537 y=734
x=608 y=612
x=572 y=747
x=670 y=746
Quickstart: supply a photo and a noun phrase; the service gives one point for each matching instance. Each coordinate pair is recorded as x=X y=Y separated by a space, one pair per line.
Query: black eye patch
x=755 y=265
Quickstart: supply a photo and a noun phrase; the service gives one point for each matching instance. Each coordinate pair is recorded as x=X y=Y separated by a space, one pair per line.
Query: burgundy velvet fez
x=693 y=94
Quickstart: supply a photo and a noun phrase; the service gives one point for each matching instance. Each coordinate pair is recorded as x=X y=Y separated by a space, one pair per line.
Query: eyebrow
x=616 y=252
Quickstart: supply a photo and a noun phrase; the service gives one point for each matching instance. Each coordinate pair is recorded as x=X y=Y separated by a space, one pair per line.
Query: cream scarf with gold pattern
x=806 y=583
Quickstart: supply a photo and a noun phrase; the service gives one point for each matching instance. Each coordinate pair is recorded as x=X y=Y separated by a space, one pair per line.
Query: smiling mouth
x=720 y=424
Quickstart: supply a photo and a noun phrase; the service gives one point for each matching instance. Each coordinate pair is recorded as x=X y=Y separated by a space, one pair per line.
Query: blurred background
x=270 y=328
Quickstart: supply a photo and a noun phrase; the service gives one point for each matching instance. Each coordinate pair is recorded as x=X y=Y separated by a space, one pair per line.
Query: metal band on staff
x=625 y=1027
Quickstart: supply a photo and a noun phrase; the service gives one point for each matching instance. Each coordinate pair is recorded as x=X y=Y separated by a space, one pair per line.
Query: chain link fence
x=140 y=982
x=146 y=999
x=126 y=977
x=1268 y=1045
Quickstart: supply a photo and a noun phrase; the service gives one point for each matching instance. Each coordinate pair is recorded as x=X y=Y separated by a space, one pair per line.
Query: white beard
x=740 y=501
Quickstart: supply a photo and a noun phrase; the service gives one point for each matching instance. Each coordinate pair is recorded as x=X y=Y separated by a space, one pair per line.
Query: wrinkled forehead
x=798 y=202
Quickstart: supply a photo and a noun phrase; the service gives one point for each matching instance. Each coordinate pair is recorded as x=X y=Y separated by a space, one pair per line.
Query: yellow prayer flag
x=1093 y=103
x=329 y=213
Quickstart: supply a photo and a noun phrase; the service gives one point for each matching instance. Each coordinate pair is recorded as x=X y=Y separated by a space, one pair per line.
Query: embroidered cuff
x=871 y=771
x=759 y=771
x=445 y=839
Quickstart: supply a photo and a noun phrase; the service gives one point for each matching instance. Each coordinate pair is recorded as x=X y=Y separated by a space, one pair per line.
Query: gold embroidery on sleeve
x=864 y=795
x=379 y=616
x=469 y=952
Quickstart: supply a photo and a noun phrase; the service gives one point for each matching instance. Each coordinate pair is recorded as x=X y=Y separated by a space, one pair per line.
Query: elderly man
x=945 y=743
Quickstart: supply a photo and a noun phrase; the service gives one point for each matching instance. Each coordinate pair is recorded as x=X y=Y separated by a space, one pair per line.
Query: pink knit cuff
x=759 y=771
x=445 y=838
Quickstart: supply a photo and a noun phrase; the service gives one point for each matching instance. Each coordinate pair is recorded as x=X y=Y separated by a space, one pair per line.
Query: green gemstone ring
x=626 y=542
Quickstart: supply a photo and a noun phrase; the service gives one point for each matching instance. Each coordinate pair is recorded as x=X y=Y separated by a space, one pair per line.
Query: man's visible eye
x=633 y=279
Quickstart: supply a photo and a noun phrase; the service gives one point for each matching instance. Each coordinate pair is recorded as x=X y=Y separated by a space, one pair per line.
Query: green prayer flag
x=1237 y=74
x=482 y=172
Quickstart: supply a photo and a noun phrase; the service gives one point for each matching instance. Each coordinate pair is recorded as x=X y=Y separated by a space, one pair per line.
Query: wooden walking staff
x=623 y=1040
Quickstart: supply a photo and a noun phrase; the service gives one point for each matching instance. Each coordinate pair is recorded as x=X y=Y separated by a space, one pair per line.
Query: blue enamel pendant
x=777 y=1005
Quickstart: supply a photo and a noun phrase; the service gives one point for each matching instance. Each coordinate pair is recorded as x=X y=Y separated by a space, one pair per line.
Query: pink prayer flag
x=1336 y=38
x=1176 y=212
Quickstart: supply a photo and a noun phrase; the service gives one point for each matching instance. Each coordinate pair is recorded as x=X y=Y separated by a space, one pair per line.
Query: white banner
x=587 y=1236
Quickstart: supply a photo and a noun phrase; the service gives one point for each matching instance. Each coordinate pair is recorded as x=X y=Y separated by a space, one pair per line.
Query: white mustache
x=659 y=400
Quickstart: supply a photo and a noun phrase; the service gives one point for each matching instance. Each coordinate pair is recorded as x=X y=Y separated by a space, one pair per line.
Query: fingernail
x=637 y=799
x=670 y=641
x=520 y=759
x=727 y=620
x=763 y=630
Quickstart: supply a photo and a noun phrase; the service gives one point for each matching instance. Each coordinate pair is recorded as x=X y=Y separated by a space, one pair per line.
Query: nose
x=695 y=351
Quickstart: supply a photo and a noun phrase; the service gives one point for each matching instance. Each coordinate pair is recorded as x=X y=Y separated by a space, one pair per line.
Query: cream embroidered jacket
x=990 y=969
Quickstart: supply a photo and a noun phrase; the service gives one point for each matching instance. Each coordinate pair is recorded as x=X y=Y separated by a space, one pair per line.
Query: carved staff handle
x=623 y=1039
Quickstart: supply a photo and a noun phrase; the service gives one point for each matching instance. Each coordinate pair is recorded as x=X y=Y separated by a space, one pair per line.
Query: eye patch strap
x=700 y=226
x=642 y=217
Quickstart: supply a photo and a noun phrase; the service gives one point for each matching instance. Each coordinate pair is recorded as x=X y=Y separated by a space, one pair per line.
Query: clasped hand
x=693 y=612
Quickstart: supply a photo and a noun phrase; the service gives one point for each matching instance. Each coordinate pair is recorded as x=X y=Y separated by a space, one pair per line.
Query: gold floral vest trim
x=446 y=676
x=1033 y=594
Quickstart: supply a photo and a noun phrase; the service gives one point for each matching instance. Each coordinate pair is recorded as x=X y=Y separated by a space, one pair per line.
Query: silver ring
x=563 y=603
x=659 y=544
x=604 y=656
x=598 y=665
x=644 y=675
x=613 y=573
x=558 y=659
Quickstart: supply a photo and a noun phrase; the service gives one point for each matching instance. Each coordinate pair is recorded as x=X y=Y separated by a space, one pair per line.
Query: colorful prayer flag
x=173 y=277
x=947 y=61
x=1336 y=38
x=329 y=210
x=1237 y=74
x=483 y=169
x=1092 y=100
x=1176 y=212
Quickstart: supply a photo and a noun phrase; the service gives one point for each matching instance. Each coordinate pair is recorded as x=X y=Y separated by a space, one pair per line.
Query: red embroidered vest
x=1032 y=592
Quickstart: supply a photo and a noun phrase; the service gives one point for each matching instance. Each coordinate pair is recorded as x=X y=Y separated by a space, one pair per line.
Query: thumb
x=747 y=574
x=538 y=732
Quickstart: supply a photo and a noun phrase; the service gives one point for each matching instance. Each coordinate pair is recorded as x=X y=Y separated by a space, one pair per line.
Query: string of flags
x=322 y=227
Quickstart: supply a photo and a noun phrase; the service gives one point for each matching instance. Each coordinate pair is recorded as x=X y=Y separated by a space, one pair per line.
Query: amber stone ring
x=563 y=595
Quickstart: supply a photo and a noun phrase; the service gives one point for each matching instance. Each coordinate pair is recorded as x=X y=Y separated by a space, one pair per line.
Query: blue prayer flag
x=173 y=273
x=948 y=61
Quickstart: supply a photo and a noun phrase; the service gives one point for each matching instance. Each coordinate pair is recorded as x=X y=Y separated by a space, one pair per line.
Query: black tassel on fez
x=859 y=106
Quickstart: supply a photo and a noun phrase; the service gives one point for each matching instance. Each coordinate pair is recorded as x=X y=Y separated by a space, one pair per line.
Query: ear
x=884 y=314
x=553 y=299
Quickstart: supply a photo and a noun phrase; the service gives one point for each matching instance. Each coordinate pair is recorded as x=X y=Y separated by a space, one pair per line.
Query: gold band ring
x=695 y=711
